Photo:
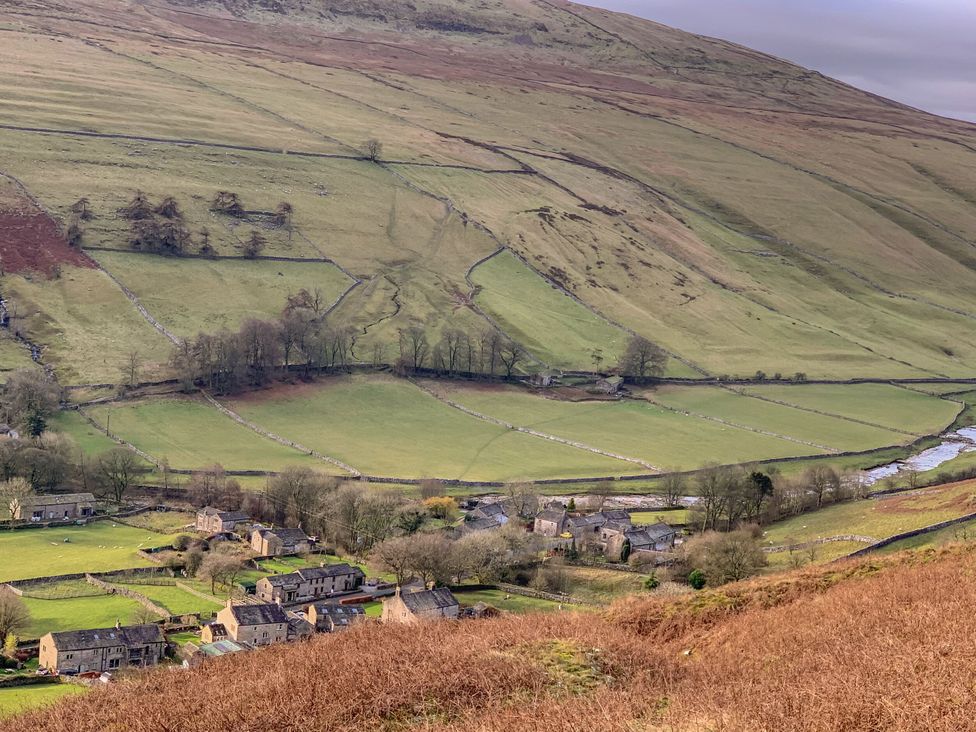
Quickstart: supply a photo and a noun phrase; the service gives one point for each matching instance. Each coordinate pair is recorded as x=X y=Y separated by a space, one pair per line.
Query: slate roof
x=217 y=629
x=225 y=515
x=615 y=515
x=428 y=600
x=491 y=509
x=339 y=615
x=288 y=537
x=330 y=570
x=128 y=635
x=595 y=519
x=551 y=514
x=259 y=614
x=57 y=499
x=649 y=535
x=480 y=524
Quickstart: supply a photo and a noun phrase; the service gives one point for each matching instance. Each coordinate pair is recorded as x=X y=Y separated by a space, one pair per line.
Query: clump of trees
x=159 y=229
x=458 y=351
x=373 y=150
x=28 y=400
x=228 y=203
x=715 y=558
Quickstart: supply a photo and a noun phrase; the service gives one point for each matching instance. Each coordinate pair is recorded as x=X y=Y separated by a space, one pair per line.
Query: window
x=68 y=656
x=113 y=662
x=264 y=634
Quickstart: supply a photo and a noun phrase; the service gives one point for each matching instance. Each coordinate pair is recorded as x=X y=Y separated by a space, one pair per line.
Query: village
x=323 y=594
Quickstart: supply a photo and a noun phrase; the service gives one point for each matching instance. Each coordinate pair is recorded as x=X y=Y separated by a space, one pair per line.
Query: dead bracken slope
x=870 y=645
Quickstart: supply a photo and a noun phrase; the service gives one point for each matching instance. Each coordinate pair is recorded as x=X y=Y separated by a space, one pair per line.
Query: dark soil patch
x=31 y=241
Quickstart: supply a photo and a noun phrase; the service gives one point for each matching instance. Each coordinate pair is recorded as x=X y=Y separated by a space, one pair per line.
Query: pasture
x=552 y=326
x=877 y=518
x=819 y=429
x=637 y=429
x=98 y=547
x=78 y=613
x=17 y=699
x=88 y=439
x=385 y=426
x=191 y=434
x=508 y=602
x=175 y=599
x=884 y=405
x=87 y=325
x=180 y=293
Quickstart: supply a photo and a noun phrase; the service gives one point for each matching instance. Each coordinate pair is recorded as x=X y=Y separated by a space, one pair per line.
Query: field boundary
x=908 y=535
x=278 y=438
x=736 y=425
x=529 y=431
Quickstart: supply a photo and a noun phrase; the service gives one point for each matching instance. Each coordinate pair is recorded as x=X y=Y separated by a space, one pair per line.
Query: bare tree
x=414 y=346
x=255 y=244
x=117 y=468
x=82 y=209
x=511 y=355
x=283 y=217
x=674 y=486
x=168 y=208
x=29 y=397
x=205 y=247
x=220 y=568
x=14 y=615
x=138 y=208
x=642 y=359
x=132 y=368
x=142 y=615
x=522 y=499
x=14 y=492
x=373 y=150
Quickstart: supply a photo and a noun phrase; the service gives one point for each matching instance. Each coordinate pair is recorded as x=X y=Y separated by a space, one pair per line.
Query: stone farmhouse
x=63 y=507
x=416 y=607
x=330 y=618
x=498 y=512
x=214 y=521
x=102 y=649
x=655 y=538
x=306 y=585
x=550 y=522
x=254 y=625
x=276 y=542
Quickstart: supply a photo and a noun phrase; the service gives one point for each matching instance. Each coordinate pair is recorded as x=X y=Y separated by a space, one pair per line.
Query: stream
x=953 y=444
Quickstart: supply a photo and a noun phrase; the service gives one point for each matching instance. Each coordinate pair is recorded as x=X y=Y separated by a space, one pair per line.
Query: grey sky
x=920 y=52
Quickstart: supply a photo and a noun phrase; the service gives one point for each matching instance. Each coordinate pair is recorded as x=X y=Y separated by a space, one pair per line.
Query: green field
x=673 y=518
x=78 y=613
x=98 y=547
x=88 y=439
x=880 y=404
x=877 y=518
x=508 y=602
x=965 y=531
x=180 y=292
x=553 y=326
x=88 y=326
x=635 y=429
x=174 y=599
x=385 y=426
x=16 y=699
x=193 y=434
x=819 y=429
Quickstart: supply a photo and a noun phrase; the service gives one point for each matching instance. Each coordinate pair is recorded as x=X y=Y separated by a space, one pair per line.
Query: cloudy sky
x=921 y=52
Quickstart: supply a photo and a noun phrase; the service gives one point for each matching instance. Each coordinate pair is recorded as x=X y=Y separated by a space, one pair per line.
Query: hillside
x=856 y=646
x=741 y=211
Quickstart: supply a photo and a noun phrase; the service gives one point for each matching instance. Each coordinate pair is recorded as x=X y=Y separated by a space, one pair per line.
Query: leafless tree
x=373 y=150
x=14 y=615
x=14 y=492
x=227 y=203
x=414 y=346
x=254 y=244
x=511 y=355
x=118 y=468
x=642 y=359
x=82 y=209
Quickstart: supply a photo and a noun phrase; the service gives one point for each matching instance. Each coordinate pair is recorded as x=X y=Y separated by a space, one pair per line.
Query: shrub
x=697 y=579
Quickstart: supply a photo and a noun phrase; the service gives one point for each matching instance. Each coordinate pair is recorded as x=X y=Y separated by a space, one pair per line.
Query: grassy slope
x=642 y=430
x=877 y=518
x=180 y=294
x=88 y=439
x=177 y=601
x=820 y=429
x=388 y=427
x=98 y=547
x=78 y=613
x=87 y=324
x=193 y=434
x=17 y=699
x=881 y=404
